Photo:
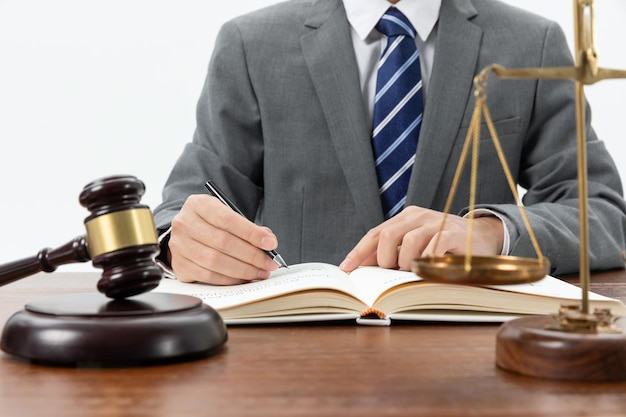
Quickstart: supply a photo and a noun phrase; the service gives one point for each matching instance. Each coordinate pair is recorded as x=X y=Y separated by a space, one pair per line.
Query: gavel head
x=121 y=236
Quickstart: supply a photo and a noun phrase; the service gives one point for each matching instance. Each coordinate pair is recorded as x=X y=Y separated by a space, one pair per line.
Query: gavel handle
x=47 y=260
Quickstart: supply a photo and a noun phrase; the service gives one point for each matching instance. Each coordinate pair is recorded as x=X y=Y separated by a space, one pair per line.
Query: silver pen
x=215 y=191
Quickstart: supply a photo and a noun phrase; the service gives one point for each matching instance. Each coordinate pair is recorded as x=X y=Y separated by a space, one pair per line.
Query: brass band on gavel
x=121 y=229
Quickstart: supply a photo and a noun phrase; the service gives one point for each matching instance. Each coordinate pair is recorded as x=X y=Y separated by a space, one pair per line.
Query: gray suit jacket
x=282 y=128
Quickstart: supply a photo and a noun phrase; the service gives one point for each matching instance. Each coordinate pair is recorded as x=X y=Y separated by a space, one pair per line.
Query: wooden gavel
x=120 y=238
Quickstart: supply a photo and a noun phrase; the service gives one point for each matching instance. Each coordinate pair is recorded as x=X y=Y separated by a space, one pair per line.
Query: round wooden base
x=91 y=330
x=526 y=347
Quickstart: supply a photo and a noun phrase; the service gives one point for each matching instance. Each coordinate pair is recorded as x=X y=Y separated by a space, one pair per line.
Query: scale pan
x=482 y=270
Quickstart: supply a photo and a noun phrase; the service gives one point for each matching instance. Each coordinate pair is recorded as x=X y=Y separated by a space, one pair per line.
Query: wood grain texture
x=305 y=370
x=525 y=346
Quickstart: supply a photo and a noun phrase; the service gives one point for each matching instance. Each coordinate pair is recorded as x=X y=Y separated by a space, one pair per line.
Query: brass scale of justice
x=572 y=344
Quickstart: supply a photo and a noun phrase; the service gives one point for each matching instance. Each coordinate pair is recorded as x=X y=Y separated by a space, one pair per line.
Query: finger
x=224 y=218
x=371 y=251
x=231 y=247
x=446 y=243
x=391 y=239
x=187 y=271
x=414 y=245
x=194 y=261
x=230 y=233
x=364 y=250
x=379 y=246
x=371 y=260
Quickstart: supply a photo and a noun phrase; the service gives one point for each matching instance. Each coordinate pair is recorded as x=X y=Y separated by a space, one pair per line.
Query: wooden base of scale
x=529 y=347
x=569 y=345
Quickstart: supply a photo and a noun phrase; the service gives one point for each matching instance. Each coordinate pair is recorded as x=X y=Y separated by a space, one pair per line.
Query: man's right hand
x=211 y=243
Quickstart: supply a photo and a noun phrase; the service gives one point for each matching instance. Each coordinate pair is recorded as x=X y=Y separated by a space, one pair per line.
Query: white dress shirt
x=369 y=44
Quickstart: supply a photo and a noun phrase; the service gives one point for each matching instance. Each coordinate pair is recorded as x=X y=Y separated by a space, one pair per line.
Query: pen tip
x=280 y=261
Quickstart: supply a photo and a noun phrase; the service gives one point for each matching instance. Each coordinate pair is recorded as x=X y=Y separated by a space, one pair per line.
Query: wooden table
x=304 y=370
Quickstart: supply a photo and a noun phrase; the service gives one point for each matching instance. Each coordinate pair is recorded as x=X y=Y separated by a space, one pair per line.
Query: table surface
x=304 y=370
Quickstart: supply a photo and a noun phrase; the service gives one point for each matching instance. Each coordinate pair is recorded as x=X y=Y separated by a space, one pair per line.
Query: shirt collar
x=363 y=15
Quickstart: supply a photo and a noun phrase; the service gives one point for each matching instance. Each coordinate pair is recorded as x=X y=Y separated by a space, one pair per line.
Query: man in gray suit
x=284 y=128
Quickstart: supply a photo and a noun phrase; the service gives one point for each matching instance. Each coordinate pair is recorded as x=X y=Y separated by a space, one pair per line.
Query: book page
x=550 y=286
x=372 y=281
x=541 y=297
x=296 y=278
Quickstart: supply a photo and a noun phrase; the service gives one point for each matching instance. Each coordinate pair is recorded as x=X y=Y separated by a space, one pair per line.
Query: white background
x=95 y=88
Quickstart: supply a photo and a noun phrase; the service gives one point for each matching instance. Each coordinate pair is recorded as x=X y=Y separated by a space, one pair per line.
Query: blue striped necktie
x=398 y=109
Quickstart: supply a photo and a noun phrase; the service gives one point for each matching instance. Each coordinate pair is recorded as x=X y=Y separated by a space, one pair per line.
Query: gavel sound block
x=124 y=324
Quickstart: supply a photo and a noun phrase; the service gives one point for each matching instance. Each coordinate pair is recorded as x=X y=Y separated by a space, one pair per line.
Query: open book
x=374 y=295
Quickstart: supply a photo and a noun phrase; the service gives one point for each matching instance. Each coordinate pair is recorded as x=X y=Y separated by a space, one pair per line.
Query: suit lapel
x=329 y=55
x=449 y=92
x=326 y=45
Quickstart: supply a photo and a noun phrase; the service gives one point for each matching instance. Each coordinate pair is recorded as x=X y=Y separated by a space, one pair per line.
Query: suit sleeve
x=549 y=174
x=227 y=145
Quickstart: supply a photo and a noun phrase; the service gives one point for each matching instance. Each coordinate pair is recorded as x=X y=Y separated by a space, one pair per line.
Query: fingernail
x=268 y=243
x=263 y=274
x=346 y=265
x=271 y=265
